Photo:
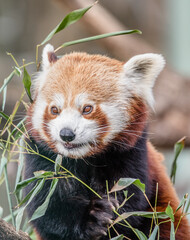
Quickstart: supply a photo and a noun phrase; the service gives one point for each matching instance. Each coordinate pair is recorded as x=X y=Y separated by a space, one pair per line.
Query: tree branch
x=8 y=232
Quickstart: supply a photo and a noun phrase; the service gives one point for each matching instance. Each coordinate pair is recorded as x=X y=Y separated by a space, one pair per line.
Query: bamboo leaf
x=40 y=211
x=1 y=212
x=125 y=215
x=71 y=18
x=4 y=98
x=125 y=192
x=27 y=83
x=3 y=115
x=172 y=232
x=140 y=234
x=58 y=162
x=18 y=126
x=42 y=174
x=2 y=164
x=120 y=237
x=2 y=146
x=183 y=201
x=97 y=37
x=187 y=207
x=27 y=197
x=37 y=189
x=126 y=182
x=18 y=72
x=8 y=218
x=19 y=129
x=23 y=184
x=20 y=162
x=19 y=217
x=7 y=80
x=169 y=212
x=177 y=150
x=154 y=233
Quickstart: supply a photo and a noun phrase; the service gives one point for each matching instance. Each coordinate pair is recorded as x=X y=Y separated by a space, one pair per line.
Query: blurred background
x=165 y=28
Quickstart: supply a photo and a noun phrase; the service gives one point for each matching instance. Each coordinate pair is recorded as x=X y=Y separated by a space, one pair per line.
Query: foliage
x=15 y=146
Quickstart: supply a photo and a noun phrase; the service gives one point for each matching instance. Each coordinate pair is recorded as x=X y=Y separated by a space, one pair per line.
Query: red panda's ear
x=140 y=73
x=48 y=56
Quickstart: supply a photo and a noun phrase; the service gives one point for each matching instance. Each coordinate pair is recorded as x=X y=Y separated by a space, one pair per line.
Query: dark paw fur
x=100 y=217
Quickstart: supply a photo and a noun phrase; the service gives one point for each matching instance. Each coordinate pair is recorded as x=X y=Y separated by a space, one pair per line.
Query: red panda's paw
x=100 y=217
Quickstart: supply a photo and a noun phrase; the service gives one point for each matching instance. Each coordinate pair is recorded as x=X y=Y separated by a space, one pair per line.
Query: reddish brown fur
x=38 y=237
x=81 y=73
x=52 y=57
x=166 y=194
x=138 y=114
x=101 y=119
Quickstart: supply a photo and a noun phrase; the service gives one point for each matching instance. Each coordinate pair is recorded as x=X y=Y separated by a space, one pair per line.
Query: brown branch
x=8 y=232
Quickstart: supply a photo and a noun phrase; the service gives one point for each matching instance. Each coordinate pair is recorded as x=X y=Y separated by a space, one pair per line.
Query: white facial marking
x=117 y=118
x=37 y=118
x=58 y=101
x=82 y=99
x=84 y=130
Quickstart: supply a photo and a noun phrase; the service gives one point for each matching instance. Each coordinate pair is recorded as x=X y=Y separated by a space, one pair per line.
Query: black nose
x=67 y=135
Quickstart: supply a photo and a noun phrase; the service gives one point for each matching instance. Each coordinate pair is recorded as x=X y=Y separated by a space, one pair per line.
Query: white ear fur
x=140 y=73
x=48 y=56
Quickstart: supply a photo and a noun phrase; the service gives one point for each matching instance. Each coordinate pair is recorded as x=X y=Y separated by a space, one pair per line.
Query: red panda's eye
x=54 y=110
x=87 y=110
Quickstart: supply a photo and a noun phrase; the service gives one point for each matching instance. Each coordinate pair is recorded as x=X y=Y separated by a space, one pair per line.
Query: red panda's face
x=81 y=103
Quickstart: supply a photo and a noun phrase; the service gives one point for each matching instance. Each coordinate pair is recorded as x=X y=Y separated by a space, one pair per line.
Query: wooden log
x=8 y=232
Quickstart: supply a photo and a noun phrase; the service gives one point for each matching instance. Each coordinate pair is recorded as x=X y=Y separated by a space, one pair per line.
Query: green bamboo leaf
x=153 y=236
x=9 y=217
x=18 y=72
x=140 y=234
x=126 y=182
x=23 y=184
x=1 y=212
x=125 y=215
x=187 y=207
x=71 y=18
x=120 y=237
x=125 y=192
x=3 y=115
x=2 y=164
x=19 y=217
x=169 y=212
x=18 y=126
x=19 y=133
x=4 y=98
x=183 y=202
x=20 y=162
x=58 y=162
x=40 y=211
x=27 y=83
x=27 y=197
x=19 y=129
x=177 y=150
x=37 y=189
x=42 y=174
x=172 y=232
x=97 y=37
x=2 y=146
x=7 y=80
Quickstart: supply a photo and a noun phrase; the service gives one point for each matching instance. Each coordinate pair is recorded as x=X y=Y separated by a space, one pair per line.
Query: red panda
x=93 y=110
